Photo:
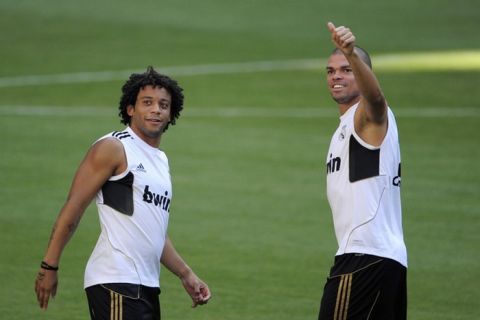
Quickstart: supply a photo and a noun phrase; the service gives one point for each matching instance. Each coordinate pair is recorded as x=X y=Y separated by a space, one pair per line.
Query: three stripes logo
x=121 y=135
x=343 y=297
x=116 y=306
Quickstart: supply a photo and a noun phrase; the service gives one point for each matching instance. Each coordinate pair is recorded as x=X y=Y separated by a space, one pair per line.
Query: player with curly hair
x=128 y=175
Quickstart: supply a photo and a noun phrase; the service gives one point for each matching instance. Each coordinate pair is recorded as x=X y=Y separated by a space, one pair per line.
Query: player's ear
x=130 y=110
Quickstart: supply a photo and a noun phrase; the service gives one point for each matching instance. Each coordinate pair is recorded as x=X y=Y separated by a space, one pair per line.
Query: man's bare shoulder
x=108 y=143
x=108 y=150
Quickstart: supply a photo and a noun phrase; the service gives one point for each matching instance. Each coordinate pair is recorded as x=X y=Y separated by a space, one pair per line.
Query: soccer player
x=368 y=277
x=129 y=177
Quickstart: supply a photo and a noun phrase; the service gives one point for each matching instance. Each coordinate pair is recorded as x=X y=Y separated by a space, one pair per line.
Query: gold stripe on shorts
x=116 y=306
x=343 y=297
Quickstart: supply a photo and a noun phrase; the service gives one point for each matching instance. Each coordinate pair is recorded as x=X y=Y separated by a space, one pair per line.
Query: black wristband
x=46 y=266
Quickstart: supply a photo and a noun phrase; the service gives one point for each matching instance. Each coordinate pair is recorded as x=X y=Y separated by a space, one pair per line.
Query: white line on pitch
x=223 y=68
x=416 y=61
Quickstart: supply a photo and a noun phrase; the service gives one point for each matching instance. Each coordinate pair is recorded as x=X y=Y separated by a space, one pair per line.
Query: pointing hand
x=342 y=37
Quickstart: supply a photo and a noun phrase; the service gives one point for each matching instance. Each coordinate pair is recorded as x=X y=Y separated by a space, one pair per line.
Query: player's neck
x=153 y=141
x=343 y=107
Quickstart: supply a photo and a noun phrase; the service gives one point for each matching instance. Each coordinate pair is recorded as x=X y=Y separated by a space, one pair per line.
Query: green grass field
x=247 y=156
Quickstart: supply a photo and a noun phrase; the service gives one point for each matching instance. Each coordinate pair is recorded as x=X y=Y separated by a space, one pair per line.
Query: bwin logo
x=333 y=164
x=158 y=200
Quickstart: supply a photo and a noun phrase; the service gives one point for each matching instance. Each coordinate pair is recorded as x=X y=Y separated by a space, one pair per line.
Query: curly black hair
x=150 y=77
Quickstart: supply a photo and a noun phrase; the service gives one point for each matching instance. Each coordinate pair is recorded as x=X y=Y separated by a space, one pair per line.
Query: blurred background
x=247 y=156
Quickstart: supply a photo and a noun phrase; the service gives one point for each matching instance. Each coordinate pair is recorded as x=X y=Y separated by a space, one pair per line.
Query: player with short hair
x=368 y=278
x=130 y=179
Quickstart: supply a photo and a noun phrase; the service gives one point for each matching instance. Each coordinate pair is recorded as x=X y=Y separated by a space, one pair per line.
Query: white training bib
x=363 y=189
x=133 y=208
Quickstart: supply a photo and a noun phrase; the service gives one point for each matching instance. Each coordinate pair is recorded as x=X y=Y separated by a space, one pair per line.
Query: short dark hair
x=363 y=54
x=150 y=77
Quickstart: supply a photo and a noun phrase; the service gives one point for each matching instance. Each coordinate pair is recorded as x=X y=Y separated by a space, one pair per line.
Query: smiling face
x=151 y=114
x=341 y=82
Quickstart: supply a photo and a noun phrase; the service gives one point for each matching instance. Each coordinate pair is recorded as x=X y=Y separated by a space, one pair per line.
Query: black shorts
x=123 y=301
x=362 y=286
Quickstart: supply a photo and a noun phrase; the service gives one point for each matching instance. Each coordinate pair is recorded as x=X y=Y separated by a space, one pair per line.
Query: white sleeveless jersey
x=363 y=189
x=133 y=208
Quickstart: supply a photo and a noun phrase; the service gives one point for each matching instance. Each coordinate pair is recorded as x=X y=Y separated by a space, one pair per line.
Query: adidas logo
x=121 y=135
x=140 y=168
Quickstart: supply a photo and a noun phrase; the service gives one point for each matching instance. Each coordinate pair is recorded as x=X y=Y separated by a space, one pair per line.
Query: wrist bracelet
x=46 y=266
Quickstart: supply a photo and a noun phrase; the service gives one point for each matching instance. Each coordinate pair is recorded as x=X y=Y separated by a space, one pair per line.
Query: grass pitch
x=247 y=156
